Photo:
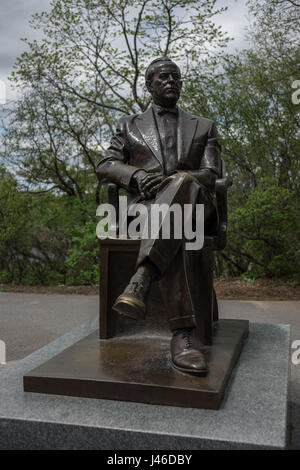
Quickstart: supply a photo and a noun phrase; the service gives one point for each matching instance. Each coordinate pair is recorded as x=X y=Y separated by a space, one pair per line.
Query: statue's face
x=166 y=84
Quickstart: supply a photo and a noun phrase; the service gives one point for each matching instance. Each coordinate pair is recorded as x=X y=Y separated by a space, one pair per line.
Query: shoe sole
x=189 y=371
x=130 y=307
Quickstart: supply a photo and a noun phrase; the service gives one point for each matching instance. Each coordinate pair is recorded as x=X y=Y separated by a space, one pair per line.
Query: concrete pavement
x=30 y=321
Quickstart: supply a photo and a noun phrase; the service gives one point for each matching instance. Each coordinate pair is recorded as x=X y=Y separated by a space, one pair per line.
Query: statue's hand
x=147 y=183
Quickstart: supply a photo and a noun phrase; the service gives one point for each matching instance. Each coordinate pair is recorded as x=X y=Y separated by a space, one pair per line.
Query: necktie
x=168 y=134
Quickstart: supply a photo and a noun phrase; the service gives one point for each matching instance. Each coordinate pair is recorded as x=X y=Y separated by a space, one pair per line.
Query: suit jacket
x=136 y=145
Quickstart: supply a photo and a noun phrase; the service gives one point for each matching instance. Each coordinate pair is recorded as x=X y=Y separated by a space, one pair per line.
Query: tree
x=87 y=71
x=46 y=239
x=250 y=99
x=74 y=84
x=15 y=235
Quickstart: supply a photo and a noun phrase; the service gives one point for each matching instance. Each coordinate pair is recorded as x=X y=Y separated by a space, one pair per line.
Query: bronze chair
x=118 y=258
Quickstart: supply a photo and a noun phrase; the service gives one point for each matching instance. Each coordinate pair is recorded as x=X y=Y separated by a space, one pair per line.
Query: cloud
x=14 y=24
x=234 y=21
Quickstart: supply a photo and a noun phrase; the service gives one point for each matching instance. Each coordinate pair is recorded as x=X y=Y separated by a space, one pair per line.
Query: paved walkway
x=30 y=321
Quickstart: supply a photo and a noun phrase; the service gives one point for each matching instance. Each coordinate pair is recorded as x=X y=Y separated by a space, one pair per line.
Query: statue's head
x=163 y=81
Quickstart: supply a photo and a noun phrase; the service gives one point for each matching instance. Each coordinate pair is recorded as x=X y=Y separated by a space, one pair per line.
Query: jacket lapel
x=147 y=127
x=187 y=125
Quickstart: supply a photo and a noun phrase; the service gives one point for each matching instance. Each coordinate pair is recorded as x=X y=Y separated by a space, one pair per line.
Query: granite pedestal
x=253 y=414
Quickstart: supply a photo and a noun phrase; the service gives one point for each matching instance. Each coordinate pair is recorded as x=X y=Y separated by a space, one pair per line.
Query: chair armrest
x=113 y=193
x=221 y=187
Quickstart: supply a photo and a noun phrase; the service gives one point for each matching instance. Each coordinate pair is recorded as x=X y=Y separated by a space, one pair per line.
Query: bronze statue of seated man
x=166 y=155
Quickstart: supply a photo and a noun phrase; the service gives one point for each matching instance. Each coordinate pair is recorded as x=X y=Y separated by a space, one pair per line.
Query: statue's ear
x=149 y=86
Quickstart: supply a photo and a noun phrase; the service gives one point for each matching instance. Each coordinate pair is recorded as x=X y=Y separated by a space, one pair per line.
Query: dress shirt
x=166 y=120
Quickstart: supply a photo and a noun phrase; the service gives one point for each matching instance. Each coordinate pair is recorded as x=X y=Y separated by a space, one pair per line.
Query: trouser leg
x=176 y=295
x=178 y=283
x=181 y=189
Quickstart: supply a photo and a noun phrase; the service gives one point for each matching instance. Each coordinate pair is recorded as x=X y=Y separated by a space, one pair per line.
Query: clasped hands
x=147 y=183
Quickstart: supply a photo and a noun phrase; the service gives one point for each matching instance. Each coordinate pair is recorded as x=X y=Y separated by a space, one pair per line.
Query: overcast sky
x=15 y=16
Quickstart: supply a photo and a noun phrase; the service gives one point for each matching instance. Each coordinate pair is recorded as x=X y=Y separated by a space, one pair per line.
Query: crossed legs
x=165 y=260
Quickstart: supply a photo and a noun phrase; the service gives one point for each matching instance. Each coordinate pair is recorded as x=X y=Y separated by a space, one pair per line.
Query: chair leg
x=215 y=307
x=200 y=268
x=105 y=327
x=207 y=301
x=117 y=264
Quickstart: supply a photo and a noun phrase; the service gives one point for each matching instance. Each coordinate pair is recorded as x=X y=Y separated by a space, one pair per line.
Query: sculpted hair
x=151 y=67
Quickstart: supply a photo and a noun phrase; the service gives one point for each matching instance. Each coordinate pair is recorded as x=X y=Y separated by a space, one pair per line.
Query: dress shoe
x=132 y=302
x=185 y=352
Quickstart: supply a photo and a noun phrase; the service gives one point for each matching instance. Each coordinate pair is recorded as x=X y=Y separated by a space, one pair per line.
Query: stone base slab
x=253 y=413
